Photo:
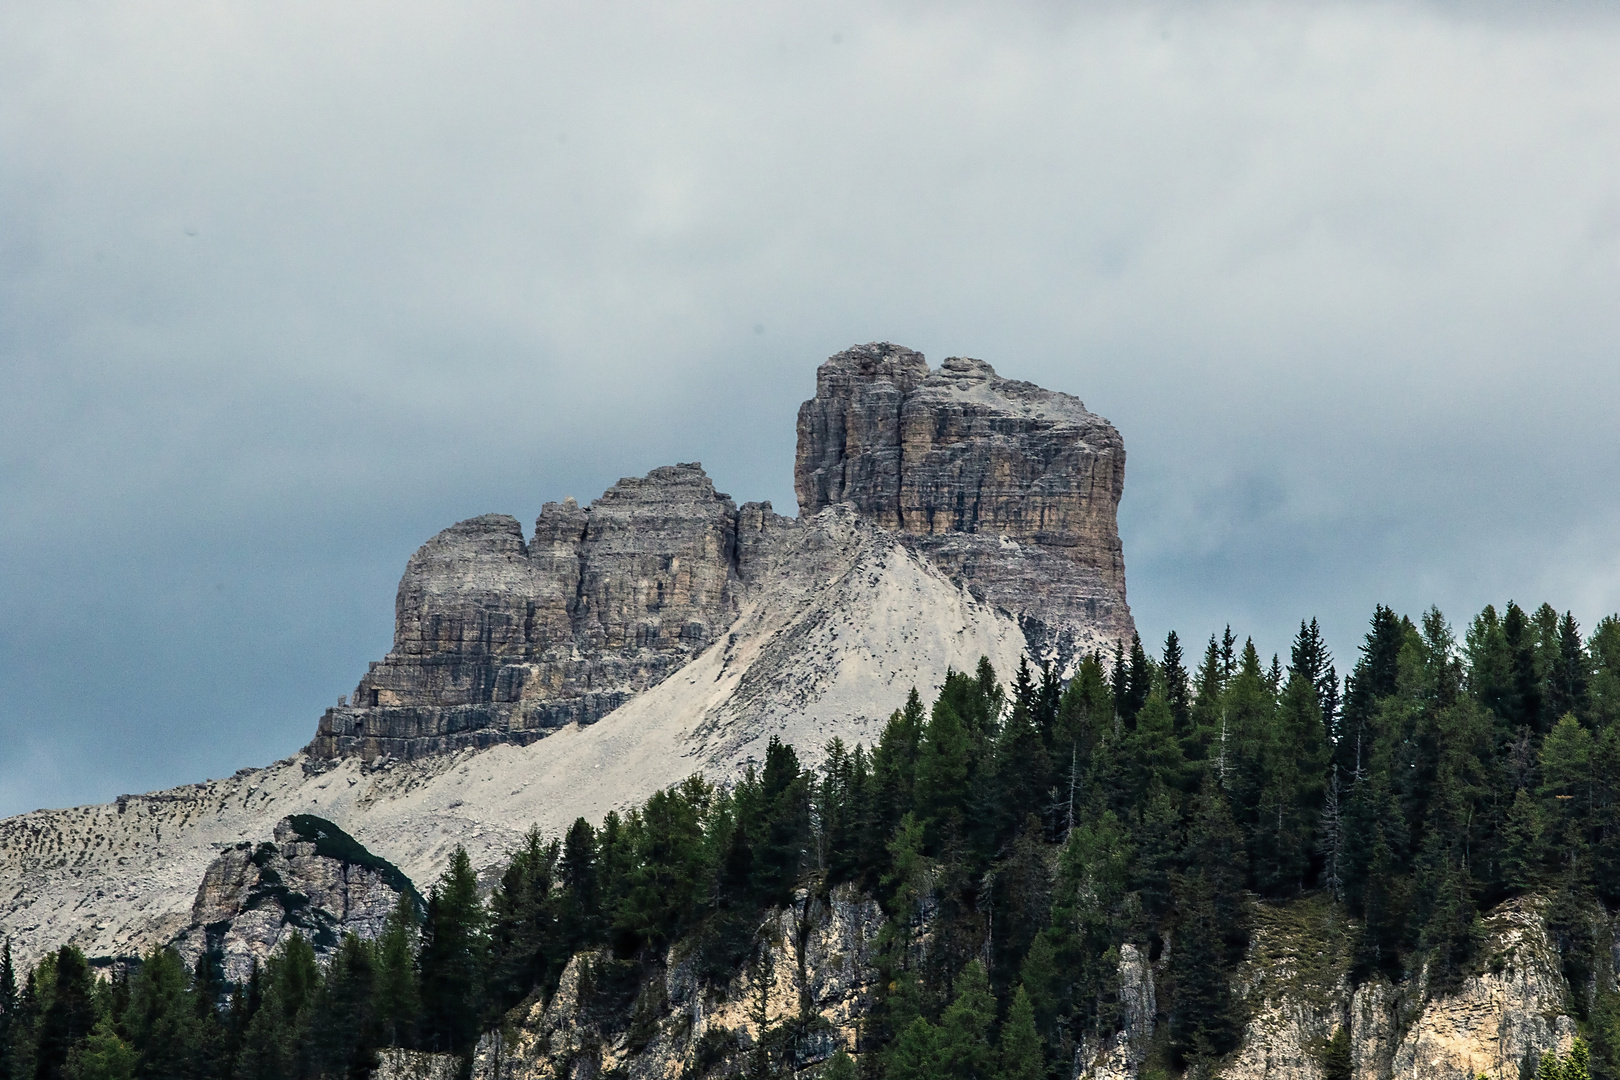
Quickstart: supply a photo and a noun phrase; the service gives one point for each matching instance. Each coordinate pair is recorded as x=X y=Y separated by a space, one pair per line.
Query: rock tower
x=1009 y=489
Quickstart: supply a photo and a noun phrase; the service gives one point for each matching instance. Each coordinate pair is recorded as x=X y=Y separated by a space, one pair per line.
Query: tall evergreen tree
x=455 y=948
x=68 y=1018
x=1177 y=690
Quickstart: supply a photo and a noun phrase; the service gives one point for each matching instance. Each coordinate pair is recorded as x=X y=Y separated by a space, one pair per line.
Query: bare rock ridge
x=1009 y=489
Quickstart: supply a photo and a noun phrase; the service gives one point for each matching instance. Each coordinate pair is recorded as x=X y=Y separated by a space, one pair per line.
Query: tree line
x=1019 y=837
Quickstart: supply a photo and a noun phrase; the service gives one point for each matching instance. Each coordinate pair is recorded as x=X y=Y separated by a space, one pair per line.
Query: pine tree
x=454 y=951
x=103 y=1055
x=344 y=1032
x=1337 y=1063
x=397 y=996
x=523 y=924
x=1139 y=680
x=1019 y=1055
x=68 y=1018
x=963 y=1046
x=164 y=1020
x=1523 y=844
x=275 y=1044
x=9 y=1028
x=839 y=1067
x=1177 y=691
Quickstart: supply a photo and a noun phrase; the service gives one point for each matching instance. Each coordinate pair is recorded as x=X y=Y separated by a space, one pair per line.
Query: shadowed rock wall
x=496 y=640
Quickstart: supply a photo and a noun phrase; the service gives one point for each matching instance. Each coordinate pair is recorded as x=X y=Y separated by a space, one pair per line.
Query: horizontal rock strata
x=1009 y=489
x=1012 y=489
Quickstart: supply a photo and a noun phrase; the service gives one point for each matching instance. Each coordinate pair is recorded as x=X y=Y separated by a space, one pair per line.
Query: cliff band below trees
x=1010 y=490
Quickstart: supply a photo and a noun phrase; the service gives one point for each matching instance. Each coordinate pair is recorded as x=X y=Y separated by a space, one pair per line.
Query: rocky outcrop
x=1295 y=981
x=498 y=640
x=1012 y=489
x=1498 y=1020
x=311 y=879
x=804 y=992
x=396 y=1064
x=1008 y=489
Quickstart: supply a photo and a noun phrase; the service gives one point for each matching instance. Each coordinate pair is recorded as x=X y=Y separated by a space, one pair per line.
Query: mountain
x=660 y=631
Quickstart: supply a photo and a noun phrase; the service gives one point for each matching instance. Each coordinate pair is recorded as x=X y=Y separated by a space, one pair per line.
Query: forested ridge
x=1017 y=837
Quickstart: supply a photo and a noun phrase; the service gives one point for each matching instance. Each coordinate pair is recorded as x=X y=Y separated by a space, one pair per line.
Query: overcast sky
x=285 y=289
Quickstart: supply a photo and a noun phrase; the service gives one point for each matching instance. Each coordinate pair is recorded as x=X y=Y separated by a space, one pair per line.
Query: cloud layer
x=286 y=289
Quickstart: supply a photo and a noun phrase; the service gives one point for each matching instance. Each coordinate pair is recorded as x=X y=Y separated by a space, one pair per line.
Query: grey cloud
x=284 y=290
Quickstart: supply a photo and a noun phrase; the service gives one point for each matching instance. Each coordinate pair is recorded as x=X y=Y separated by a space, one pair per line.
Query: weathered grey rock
x=1012 y=489
x=1009 y=489
x=815 y=956
x=1295 y=982
x=396 y=1064
x=496 y=640
x=312 y=879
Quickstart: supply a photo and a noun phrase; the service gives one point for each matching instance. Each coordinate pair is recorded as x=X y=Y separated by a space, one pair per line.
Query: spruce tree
x=165 y=1025
x=397 y=995
x=68 y=1018
x=1019 y=1055
x=9 y=1028
x=962 y=1044
x=455 y=948
x=1177 y=690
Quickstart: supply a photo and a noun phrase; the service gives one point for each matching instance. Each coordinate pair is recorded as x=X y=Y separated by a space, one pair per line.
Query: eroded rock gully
x=1009 y=489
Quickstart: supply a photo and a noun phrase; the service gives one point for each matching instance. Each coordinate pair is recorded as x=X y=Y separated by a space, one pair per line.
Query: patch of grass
x=1301 y=948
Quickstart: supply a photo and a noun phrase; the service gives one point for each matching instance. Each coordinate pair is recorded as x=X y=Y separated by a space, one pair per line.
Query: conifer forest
x=1018 y=831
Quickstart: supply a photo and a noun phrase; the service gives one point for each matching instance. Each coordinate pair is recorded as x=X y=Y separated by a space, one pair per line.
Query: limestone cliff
x=801 y=998
x=805 y=994
x=1011 y=491
x=1512 y=1008
x=498 y=640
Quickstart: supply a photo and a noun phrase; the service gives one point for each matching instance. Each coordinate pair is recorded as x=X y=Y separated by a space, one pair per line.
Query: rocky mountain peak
x=1009 y=489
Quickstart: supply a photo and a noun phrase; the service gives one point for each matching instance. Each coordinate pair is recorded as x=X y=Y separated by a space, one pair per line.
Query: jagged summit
x=1009 y=489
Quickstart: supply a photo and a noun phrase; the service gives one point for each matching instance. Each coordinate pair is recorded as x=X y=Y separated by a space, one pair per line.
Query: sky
x=287 y=288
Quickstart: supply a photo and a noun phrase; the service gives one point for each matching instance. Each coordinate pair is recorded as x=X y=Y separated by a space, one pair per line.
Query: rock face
x=1008 y=489
x=1012 y=489
x=816 y=965
x=312 y=879
x=1296 y=983
x=498 y=640
x=814 y=959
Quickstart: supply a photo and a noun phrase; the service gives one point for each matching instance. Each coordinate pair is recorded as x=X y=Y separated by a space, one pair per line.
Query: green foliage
x=1336 y=1061
x=454 y=957
x=1018 y=838
x=1019 y=1056
x=103 y=1056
